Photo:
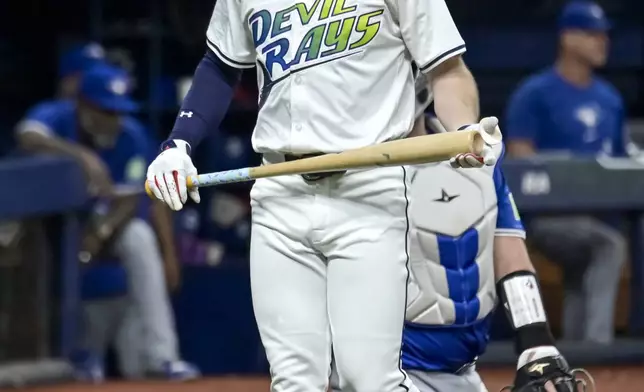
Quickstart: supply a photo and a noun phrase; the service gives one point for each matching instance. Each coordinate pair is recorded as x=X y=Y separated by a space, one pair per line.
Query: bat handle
x=190 y=182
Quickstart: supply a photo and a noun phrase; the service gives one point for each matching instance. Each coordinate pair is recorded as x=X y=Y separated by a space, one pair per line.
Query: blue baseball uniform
x=139 y=324
x=126 y=160
x=558 y=116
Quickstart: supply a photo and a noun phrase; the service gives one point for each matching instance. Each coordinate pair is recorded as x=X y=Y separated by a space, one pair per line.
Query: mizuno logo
x=185 y=114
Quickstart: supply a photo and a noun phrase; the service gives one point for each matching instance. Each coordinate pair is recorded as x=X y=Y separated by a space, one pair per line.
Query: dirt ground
x=627 y=379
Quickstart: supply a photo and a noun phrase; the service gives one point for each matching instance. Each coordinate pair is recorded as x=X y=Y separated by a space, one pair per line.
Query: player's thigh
x=469 y=381
x=567 y=239
x=288 y=283
x=367 y=280
x=367 y=298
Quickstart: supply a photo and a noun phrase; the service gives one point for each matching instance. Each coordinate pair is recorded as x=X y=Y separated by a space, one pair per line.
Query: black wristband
x=532 y=330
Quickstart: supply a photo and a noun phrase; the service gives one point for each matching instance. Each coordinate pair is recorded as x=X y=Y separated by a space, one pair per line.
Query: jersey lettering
x=335 y=29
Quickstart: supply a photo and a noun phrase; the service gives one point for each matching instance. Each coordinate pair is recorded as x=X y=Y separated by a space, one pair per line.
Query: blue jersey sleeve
x=132 y=158
x=508 y=221
x=50 y=118
x=522 y=113
x=135 y=154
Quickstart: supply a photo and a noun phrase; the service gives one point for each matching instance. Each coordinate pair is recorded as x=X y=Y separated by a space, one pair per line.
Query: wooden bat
x=416 y=150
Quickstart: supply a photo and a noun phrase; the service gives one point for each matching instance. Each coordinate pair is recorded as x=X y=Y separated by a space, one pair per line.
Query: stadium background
x=161 y=42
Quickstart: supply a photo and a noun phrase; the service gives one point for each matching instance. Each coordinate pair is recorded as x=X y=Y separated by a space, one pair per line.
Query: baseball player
x=112 y=148
x=568 y=109
x=329 y=252
x=467 y=247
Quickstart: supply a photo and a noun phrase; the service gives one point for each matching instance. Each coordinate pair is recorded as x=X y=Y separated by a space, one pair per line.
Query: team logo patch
x=135 y=169
x=118 y=86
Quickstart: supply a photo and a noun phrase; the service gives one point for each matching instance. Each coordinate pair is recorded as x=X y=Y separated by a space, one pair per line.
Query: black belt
x=312 y=176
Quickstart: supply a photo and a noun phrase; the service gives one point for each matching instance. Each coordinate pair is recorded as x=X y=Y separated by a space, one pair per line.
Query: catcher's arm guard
x=533 y=377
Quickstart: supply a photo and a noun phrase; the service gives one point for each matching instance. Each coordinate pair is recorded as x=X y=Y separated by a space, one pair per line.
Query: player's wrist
x=521 y=298
x=176 y=143
x=537 y=353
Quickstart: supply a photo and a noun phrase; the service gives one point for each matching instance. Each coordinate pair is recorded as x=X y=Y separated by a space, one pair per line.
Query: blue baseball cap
x=80 y=58
x=108 y=88
x=583 y=15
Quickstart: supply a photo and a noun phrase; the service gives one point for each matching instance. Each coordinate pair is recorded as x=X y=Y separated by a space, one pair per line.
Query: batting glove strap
x=175 y=143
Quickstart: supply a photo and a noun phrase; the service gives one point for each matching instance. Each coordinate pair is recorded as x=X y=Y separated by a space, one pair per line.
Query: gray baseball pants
x=592 y=254
x=141 y=325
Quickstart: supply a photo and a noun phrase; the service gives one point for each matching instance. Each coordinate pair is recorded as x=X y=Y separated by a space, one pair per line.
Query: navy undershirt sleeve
x=207 y=101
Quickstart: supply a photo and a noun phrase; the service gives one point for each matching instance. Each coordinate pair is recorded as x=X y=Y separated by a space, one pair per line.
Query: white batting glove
x=489 y=125
x=168 y=172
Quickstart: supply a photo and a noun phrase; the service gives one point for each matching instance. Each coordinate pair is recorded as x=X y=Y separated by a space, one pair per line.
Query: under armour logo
x=185 y=114
x=538 y=367
x=445 y=198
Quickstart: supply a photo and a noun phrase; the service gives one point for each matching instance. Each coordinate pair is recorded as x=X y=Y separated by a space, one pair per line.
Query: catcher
x=459 y=268
x=467 y=250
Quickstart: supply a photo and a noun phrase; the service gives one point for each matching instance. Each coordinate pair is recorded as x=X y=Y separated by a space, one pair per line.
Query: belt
x=312 y=176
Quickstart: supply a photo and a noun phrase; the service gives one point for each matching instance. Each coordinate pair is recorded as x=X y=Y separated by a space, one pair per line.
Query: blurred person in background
x=113 y=149
x=568 y=109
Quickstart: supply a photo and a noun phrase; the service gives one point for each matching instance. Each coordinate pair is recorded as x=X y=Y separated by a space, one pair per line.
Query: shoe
x=179 y=371
x=88 y=367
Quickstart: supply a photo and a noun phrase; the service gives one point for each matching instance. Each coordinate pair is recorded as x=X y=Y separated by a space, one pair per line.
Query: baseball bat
x=416 y=150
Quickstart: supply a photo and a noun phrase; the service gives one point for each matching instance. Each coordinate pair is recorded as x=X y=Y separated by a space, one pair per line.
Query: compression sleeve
x=207 y=101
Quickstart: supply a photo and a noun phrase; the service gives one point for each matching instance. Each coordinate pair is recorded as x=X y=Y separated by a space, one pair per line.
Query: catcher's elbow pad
x=521 y=298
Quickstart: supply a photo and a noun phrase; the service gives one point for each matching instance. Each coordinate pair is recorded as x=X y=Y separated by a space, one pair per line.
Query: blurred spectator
x=568 y=109
x=127 y=258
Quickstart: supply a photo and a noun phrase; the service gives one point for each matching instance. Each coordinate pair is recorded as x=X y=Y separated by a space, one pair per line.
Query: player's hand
x=168 y=172
x=99 y=181
x=172 y=271
x=545 y=369
x=488 y=158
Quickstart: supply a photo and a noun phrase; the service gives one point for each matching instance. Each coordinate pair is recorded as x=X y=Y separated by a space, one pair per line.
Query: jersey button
x=298 y=127
x=298 y=80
